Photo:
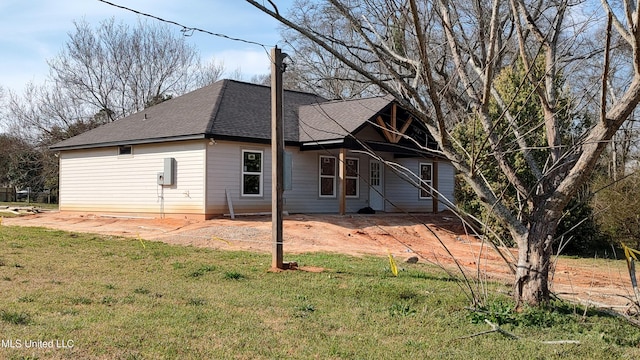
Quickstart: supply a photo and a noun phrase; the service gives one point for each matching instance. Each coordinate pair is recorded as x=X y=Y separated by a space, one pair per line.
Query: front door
x=376 y=186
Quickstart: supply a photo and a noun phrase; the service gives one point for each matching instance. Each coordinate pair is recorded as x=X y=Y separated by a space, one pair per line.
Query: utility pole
x=277 y=151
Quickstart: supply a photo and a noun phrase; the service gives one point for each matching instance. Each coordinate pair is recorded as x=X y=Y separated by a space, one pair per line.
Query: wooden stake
x=230 y=205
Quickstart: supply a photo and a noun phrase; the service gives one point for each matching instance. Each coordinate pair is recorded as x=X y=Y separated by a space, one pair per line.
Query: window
x=374 y=178
x=351 y=178
x=327 y=176
x=426 y=177
x=251 y=173
x=125 y=150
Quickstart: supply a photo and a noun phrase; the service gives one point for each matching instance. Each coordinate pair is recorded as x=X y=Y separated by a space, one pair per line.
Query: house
x=202 y=153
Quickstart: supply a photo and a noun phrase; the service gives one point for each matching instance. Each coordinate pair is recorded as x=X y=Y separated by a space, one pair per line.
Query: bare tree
x=440 y=59
x=208 y=73
x=120 y=68
x=41 y=111
x=41 y=116
x=101 y=75
x=314 y=69
x=8 y=158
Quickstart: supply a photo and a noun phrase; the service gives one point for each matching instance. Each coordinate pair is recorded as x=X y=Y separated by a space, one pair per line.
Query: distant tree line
x=102 y=74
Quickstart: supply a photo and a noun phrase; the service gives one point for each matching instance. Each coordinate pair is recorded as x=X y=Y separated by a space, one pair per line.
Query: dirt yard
x=425 y=236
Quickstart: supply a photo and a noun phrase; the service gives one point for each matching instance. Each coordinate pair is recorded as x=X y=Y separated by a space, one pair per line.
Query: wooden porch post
x=342 y=184
x=434 y=184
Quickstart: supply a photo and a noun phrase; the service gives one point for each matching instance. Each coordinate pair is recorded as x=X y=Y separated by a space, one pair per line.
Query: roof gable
x=337 y=119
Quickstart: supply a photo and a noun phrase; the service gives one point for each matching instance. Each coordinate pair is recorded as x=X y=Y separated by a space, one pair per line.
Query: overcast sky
x=32 y=31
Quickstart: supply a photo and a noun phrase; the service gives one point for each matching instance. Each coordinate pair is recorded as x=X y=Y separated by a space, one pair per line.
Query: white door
x=376 y=186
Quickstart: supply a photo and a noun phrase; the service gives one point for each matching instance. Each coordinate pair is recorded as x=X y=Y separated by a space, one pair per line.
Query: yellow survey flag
x=392 y=264
x=141 y=242
x=630 y=254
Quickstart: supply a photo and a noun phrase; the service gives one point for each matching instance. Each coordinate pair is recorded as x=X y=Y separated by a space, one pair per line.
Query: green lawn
x=25 y=204
x=98 y=297
x=36 y=204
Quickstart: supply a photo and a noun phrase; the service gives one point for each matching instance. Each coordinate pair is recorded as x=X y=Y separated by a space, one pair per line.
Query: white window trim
x=320 y=176
x=243 y=173
x=428 y=184
x=356 y=178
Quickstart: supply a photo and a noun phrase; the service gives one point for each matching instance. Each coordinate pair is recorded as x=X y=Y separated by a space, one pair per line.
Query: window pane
x=327 y=166
x=375 y=174
x=252 y=161
x=425 y=172
x=326 y=186
x=352 y=187
x=251 y=184
x=352 y=167
x=124 y=150
x=425 y=176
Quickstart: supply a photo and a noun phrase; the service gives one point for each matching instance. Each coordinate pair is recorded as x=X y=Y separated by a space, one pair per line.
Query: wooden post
x=277 y=150
x=434 y=185
x=232 y=214
x=342 y=182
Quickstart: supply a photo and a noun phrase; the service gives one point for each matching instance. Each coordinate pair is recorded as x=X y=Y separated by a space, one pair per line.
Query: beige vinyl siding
x=401 y=185
x=101 y=180
x=224 y=172
x=401 y=188
x=446 y=184
x=305 y=195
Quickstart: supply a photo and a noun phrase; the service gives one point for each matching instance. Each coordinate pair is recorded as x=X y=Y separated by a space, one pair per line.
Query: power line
x=186 y=30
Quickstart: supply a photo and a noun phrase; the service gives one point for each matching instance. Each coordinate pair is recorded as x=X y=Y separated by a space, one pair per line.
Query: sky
x=33 y=31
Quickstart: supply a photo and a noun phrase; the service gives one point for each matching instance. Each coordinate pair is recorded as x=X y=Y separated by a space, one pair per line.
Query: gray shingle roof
x=231 y=109
x=336 y=119
x=182 y=117
x=245 y=111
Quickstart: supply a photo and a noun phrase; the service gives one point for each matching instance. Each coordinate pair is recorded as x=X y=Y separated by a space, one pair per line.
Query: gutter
x=128 y=142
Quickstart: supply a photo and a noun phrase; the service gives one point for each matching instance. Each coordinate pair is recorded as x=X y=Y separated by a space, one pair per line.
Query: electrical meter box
x=167 y=177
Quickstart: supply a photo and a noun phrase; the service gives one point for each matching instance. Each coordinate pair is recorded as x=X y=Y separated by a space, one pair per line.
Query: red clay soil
x=601 y=284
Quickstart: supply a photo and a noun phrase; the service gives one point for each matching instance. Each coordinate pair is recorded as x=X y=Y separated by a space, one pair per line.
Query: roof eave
x=130 y=142
x=321 y=142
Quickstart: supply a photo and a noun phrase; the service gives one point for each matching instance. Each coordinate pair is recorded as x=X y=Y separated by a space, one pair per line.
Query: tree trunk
x=534 y=259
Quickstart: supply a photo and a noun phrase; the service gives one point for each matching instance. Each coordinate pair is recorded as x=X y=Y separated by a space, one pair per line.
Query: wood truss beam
x=390 y=131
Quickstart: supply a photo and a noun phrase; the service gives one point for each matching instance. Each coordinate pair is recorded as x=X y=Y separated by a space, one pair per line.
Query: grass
x=32 y=203
x=24 y=203
x=115 y=299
